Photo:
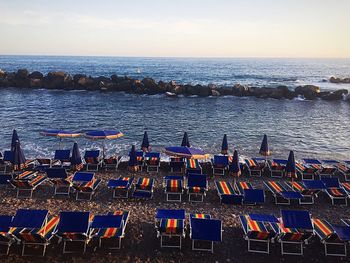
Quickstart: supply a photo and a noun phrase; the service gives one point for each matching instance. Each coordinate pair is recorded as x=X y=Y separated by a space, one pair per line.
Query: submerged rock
x=310 y=92
x=335 y=95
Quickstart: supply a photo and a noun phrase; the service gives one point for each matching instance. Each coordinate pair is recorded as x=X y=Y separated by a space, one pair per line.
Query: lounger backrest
x=83 y=176
x=92 y=154
x=28 y=218
x=8 y=156
x=296 y=219
x=152 y=155
x=331 y=182
x=56 y=173
x=206 y=229
x=197 y=180
x=220 y=160
x=311 y=161
x=62 y=155
x=73 y=222
x=5 y=222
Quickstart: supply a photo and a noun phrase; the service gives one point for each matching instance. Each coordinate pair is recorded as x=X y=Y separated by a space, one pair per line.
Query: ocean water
x=310 y=128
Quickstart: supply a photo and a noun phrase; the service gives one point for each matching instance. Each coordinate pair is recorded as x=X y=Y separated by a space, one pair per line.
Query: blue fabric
x=26 y=218
x=220 y=160
x=133 y=157
x=330 y=161
x=5 y=223
x=115 y=183
x=314 y=184
x=145 y=142
x=170 y=213
x=18 y=155
x=62 y=155
x=291 y=195
x=107 y=221
x=185 y=140
x=264 y=148
x=8 y=156
x=183 y=151
x=173 y=177
x=331 y=182
x=343 y=232
x=99 y=134
x=224 y=145
x=92 y=153
x=152 y=154
x=296 y=219
x=263 y=218
x=198 y=180
x=206 y=229
x=73 y=222
x=290 y=166
x=76 y=157
x=83 y=176
x=311 y=161
x=14 y=140
x=280 y=161
x=56 y=173
x=254 y=196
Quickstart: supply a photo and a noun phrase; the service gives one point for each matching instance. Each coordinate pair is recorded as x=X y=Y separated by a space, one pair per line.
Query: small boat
x=170 y=94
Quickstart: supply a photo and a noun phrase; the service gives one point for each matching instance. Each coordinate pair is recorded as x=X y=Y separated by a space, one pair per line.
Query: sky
x=181 y=28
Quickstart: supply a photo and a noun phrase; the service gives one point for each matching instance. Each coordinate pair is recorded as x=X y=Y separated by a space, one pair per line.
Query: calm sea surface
x=310 y=128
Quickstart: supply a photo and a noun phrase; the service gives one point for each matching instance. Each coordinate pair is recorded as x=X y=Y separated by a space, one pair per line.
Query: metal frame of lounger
x=308 y=194
x=328 y=244
x=345 y=173
x=326 y=166
x=257 y=172
x=201 y=195
x=278 y=196
x=143 y=191
x=89 y=177
x=177 y=195
x=163 y=235
x=30 y=188
x=53 y=180
x=113 y=166
x=249 y=192
x=123 y=191
x=277 y=173
x=89 y=193
x=228 y=198
x=335 y=186
x=219 y=170
x=150 y=167
x=197 y=239
x=346 y=221
x=96 y=165
x=180 y=165
x=198 y=170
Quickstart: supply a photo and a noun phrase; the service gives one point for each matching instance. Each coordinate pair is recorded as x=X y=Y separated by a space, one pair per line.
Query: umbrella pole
x=59 y=143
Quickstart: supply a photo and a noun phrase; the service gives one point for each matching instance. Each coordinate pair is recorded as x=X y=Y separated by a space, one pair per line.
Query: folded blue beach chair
x=6 y=238
x=85 y=184
x=60 y=179
x=73 y=227
x=152 y=161
x=93 y=160
x=174 y=189
x=63 y=158
x=335 y=192
x=220 y=164
x=197 y=186
x=121 y=186
x=177 y=165
x=205 y=231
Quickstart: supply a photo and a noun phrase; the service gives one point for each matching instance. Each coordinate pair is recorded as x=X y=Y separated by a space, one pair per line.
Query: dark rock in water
x=76 y=77
x=35 y=83
x=36 y=75
x=335 y=95
x=150 y=85
x=125 y=85
x=22 y=74
x=58 y=80
x=240 y=90
x=224 y=91
x=215 y=93
x=199 y=90
x=310 y=92
x=339 y=80
x=137 y=87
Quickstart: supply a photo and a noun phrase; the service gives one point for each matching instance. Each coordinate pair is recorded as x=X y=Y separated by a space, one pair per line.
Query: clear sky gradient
x=179 y=28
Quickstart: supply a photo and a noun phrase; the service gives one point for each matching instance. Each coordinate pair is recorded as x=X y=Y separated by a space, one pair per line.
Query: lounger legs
x=112 y=248
x=298 y=245
x=7 y=247
x=65 y=251
x=251 y=243
x=24 y=245
x=170 y=246
x=328 y=246
x=24 y=191
x=177 y=197
x=279 y=200
x=211 y=249
x=200 y=200
x=78 y=194
x=116 y=195
x=62 y=192
x=307 y=200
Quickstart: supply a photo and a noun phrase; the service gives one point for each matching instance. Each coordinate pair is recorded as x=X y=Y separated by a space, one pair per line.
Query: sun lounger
x=227 y=194
x=112 y=163
x=259 y=232
x=93 y=160
x=255 y=166
x=140 y=158
x=33 y=228
x=41 y=164
x=203 y=232
x=152 y=161
x=144 y=188
x=344 y=169
x=307 y=193
x=170 y=225
x=333 y=237
x=173 y=177
x=308 y=169
x=177 y=165
x=220 y=164
x=6 y=162
x=199 y=215
x=193 y=166
x=277 y=167
x=328 y=168
x=250 y=194
x=73 y=227
x=109 y=228
x=121 y=186
x=26 y=182
x=282 y=195
x=295 y=231
x=174 y=189
x=197 y=186
x=6 y=238
x=334 y=191
x=60 y=179
x=63 y=159
x=85 y=184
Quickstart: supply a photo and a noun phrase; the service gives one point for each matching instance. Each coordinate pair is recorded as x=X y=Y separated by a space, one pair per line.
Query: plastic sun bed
x=308 y=194
x=328 y=168
x=197 y=186
x=259 y=231
x=6 y=238
x=308 y=168
x=85 y=184
x=333 y=237
x=220 y=164
x=93 y=160
x=60 y=179
x=144 y=188
x=255 y=166
x=282 y=195
x=152 y=161
x=26 y=182
x=170 y=225
x=277 y=167
x=335 y=192
x=227 y=194
x=193 y=166
x=177 y=165
x=344 y=169
x=174 y=189
x=121 y=186
x=63 y=158
x=112 y=163
x=250 y=194
x=346 y=187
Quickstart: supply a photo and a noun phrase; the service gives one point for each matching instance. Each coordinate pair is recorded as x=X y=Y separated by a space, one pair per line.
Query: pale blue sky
x=194 y=28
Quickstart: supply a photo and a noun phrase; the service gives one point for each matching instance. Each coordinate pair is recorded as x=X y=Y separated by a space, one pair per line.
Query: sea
x=313 y=129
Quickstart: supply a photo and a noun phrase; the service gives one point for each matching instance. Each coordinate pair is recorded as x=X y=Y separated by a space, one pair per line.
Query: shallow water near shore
x=310 y=128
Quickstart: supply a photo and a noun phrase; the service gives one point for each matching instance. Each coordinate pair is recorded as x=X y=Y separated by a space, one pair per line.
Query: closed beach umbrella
x=145 y=143
x=185 y=152
x=19 y=161
x=235 y=169
x=224 y=146
x=185 y=141
x=14 y=140
x=290 y=166
x=76 y=161
x=264 y=148
x=103 y=135
x=60 y=134
x=132 y=164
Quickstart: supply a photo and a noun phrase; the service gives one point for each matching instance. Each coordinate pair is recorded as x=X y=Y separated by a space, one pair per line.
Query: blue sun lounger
x=174 y=189
x=220 y=164
x=93 y=160
x=251 y=195
x=193 y=167
x=335 y=192
x=152 y=161
x=121 y=186
x=6 y=238
x=277 y=167
x=112 y=163
x=26 y=182
x=259 y=231
x=85 y=184
x=177 y=165
x=255 y=166
x=140 y=158
x=333 y=237
x=328 y=168
x=63 y=158
x=205 y=231
x=282 y=195
x=197 y=186
x=170 y=225
x=144 y=188
x=61 y=181
x=33 y=228
x=6 y=162
x=73 y=227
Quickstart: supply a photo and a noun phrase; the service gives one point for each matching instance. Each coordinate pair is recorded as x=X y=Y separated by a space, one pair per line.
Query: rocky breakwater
x=64 y=81
x=339 y=80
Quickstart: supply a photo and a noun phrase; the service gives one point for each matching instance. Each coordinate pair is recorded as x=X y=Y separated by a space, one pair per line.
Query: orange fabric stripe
x=275 y=186
x=49 y=226
x=253 y=225
x=297 y=186
x=325 y=229
x=225 y=188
